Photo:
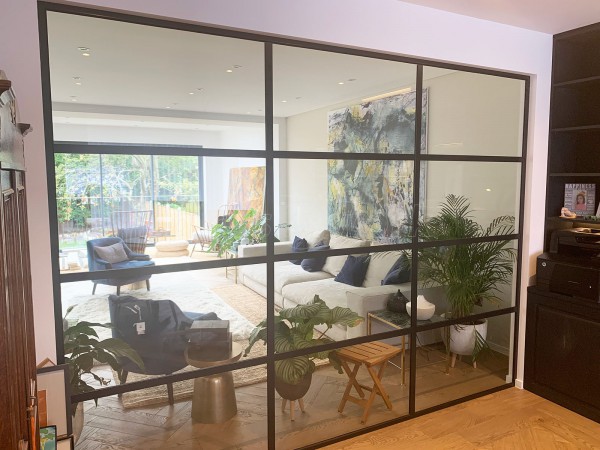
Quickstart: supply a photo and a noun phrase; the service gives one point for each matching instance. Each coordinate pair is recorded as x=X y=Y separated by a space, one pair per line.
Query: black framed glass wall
x=352 y=154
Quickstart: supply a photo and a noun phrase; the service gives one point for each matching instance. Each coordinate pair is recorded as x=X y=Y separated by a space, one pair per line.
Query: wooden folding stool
x=370 y=354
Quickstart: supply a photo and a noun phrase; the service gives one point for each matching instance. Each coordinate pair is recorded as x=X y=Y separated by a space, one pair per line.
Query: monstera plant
x=294 y=330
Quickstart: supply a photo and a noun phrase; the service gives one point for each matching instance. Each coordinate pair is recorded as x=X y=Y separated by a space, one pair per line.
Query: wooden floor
x=510 y=419
x=110 y=426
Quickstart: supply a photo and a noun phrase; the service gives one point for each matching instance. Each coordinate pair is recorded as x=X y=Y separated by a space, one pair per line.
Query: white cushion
x=334 y=264
x=314 y=238
x=379 y=266
x=112 y=253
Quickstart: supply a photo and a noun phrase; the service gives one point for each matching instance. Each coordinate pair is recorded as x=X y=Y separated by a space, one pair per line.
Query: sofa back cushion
x=315 y=238
x=380 y=265
x=334 y=264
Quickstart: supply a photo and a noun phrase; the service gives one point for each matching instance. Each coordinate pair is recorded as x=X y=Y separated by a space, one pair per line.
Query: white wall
x=387 y=25
x=468 y=114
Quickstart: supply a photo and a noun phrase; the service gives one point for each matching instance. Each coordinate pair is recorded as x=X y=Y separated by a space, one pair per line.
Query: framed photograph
x=54 y=381
x=580 y=198
x=66 y=444
x=48 y=438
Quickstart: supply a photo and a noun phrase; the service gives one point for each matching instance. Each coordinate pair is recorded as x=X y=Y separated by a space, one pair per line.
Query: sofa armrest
x=248 y=251
x=363 y=303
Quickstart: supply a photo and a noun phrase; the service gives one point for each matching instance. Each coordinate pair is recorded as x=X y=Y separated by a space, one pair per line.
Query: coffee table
x=214 y=395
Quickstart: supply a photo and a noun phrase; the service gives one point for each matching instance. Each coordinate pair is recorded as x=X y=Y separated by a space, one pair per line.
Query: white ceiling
x=547 y=16
x=141 y=70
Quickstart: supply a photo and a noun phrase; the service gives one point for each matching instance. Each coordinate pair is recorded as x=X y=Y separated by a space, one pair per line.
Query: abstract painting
x=373 y=199
x=247 y=188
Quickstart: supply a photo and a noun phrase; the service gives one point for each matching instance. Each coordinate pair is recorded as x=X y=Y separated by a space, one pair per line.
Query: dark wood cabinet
x=574 y=140
x=562 y=351
x=17 y=348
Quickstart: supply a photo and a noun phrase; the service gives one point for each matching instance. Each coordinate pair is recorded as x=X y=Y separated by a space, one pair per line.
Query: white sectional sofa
x=293 y=285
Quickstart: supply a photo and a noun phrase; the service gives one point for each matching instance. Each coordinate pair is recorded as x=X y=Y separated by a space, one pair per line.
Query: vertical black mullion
x=101 y=163
x=201 y=190
x=51 y=179
x=520 y=232
x=153 y=192
x=269 y=209
x=415 y=238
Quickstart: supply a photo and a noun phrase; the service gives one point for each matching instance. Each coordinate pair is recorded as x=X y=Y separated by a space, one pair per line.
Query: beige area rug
x=248 y=304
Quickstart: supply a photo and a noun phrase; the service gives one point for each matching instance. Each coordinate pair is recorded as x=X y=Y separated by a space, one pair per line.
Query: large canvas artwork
x=247 y=188
x=371 y=199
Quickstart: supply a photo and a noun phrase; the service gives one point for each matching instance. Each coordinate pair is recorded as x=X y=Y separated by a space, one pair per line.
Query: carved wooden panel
x=17 y=348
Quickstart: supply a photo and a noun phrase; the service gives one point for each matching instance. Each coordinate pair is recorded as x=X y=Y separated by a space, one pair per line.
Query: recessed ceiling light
x=73 y=99
x=229 y=71
x=78 y=83
x=340 y=82
x=85 y=54
x=167 y=107
x=488 y=190
x=191 y=93
x=283 y=101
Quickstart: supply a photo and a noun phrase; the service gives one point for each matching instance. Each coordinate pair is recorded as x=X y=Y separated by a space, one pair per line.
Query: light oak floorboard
x=509 y=419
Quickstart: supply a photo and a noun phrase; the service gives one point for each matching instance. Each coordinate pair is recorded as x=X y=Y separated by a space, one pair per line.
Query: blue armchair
x=129 y=260
x=162 y=344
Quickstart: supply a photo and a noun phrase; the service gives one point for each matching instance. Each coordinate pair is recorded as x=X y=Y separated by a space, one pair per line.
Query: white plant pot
x=425 y=310
x=462 y=337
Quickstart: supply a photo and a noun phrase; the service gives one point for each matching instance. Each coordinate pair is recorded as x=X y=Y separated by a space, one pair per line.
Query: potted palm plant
x=295 y=329
x=470 y=273
x=82 y=347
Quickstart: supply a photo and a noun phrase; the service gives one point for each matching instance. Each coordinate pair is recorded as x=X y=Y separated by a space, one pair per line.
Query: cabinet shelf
x=572 y=174
x=576 y=220
x=578 y=128
x=592 y=79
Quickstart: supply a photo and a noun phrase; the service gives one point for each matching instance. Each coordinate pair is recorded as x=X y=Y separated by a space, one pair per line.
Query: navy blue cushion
x=315 y=264
x=354 y=270
x=299 y=245
x=399 y=273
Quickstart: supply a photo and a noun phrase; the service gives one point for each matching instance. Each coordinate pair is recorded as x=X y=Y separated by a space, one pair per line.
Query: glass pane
x=487 y=190
x=360 y=199
x=324 y=398
x=177 y=202
x=473 y=114
x=342 y=103
x=79 y=203
x=449 y=374
x=468 y=279
x=212 y=94
x=152 y=422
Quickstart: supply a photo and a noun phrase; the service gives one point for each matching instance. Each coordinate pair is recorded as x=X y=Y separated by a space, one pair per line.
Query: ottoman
x=171 y=248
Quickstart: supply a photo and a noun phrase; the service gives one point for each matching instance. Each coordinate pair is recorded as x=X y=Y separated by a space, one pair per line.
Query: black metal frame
x=269 y=155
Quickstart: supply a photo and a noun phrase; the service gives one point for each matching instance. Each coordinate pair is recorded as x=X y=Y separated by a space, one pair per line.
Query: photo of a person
x=580 y=202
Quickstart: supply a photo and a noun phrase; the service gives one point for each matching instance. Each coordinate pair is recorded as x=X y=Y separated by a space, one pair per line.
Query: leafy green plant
x=471 y=273
x=294 y=329
x=83 y=347
x=225 y=235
